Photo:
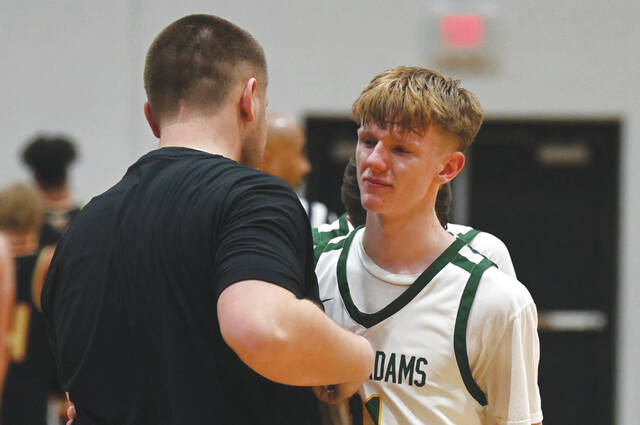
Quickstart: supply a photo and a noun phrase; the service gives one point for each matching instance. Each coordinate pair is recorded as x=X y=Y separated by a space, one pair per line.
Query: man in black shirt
x=185 y=294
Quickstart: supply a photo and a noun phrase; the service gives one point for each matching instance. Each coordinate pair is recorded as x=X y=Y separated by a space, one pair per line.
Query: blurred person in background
x=285 y=157
x=48 y=158
x=31 y=368
x=7 y=302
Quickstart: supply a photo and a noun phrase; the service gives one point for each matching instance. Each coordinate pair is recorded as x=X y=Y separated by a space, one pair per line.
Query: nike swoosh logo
x=325 y=300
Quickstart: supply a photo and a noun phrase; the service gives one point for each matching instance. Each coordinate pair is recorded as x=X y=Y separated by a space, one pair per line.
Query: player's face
x=397 y=170
x=292 y=163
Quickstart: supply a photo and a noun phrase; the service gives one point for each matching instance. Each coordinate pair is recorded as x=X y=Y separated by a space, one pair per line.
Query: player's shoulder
x=327 y=250
x=500 y=293
x=325 y=232
x=485 y=243
x=474 y=236
x=490 y=242
x=458 y=229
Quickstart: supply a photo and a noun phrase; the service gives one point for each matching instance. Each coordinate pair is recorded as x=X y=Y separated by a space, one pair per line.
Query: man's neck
x=405 y=244
x=218 y=135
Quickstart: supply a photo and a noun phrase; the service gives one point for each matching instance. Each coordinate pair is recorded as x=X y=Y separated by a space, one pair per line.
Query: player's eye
x=368 y=142
x=400 y=149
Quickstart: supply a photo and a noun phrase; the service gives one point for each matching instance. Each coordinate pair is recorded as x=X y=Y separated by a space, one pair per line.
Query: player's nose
x=377 y=159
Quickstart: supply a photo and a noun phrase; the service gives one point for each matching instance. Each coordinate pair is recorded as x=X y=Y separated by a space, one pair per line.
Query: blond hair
x=411 y=98
x=20 y=209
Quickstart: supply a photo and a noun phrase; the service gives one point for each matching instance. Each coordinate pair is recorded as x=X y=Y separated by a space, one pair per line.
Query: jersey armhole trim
x=321 y=239
x=326 y=247
x=460 y=331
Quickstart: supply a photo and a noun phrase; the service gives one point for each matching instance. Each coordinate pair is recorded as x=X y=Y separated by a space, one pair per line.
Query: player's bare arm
x=7 y=300
x=288 y=340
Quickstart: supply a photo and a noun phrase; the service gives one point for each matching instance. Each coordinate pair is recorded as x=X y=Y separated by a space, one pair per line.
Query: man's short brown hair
x=20 y=209
x=411 y=98
x=195 y=59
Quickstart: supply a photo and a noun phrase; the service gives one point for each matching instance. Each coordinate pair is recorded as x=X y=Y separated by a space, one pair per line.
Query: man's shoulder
x=185 y=163
x=200 y=175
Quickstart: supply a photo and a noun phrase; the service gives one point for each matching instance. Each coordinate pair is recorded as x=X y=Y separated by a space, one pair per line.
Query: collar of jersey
x=390 y=278
x=371 y=319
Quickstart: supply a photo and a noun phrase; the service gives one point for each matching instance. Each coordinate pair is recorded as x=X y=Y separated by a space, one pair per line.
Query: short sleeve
x=265 y=236
x=509 y=375
x=495 y=250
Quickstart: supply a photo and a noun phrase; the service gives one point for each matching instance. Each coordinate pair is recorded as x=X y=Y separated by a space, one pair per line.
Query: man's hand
x=71 y=410
x=333 y=394
x=71 y=413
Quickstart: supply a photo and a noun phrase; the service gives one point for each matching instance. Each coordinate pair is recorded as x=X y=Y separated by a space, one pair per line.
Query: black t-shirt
x=31 y=370
x=132 y=291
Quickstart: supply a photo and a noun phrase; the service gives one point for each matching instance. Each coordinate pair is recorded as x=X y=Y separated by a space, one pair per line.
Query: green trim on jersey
x=324 y=237
x=468 y=236
x=460 y=331
x=321 y=239
x=371 y=319
x=326 y=247
x=463 y=262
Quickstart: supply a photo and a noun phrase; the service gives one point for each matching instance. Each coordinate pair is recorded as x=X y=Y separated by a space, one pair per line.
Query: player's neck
x=58 y=198
x=218 y=135
x=405 y=244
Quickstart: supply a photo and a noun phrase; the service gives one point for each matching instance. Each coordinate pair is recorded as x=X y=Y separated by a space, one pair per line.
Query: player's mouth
x=375 y=183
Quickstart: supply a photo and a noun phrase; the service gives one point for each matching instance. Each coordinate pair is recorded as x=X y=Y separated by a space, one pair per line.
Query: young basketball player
x=455 y=338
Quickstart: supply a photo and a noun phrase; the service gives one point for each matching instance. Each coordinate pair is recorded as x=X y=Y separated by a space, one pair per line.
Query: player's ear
x=151 y=120
x=248 y=100
x=453 y=164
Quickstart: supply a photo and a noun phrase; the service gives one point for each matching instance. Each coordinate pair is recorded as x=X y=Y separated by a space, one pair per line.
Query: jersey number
x=372 y=410
x=20 y=334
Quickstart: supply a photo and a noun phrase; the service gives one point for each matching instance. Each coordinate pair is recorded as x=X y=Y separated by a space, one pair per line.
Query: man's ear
x=151 y=120
x=248 y=101
x=454 y=163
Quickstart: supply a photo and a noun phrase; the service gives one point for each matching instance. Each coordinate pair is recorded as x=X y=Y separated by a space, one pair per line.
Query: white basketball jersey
x=422 y=373
x=485 y=243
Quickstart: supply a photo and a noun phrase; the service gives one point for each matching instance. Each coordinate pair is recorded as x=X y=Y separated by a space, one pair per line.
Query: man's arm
x=7 y=301
x=289 y=340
